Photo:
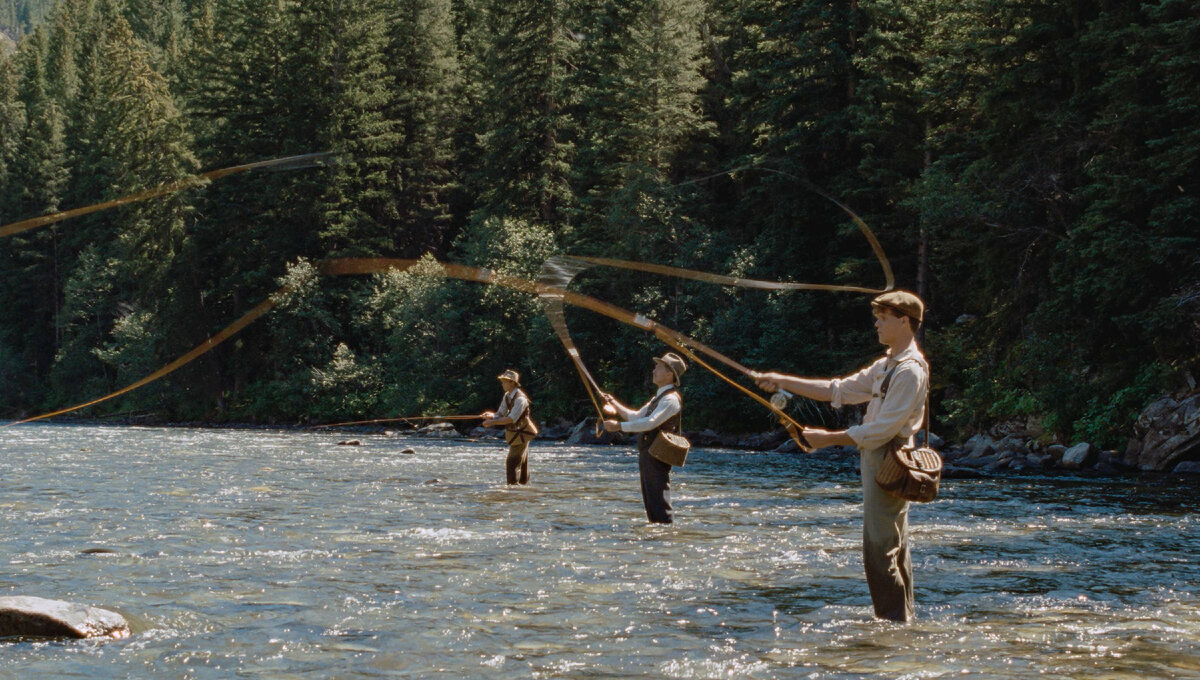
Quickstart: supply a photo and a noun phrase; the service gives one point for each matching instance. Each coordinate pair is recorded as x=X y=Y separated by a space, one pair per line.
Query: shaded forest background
x=1030 y=168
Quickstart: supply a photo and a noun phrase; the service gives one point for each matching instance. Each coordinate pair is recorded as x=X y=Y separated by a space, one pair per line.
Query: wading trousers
x=516 y=467
x=885 y=544
x=656 y=487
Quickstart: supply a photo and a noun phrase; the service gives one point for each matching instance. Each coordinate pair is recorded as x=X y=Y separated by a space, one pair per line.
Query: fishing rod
x=287 y=163
x=358 y=266
x=406 y=419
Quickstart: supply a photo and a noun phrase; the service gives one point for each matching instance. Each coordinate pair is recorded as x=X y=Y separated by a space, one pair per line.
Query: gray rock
x=980 y=445
x=39 y=617
x=560 y=429
x=1187 y=467
x=585 y=434
x=957 y=472
x=1039 y=461
x=1056 y=451
x=788 y=446
x=1013 y=443
x=1079 y=456
x=350 y=442
x=762 y=441
x=408 y=451
x=935 y=442
x=1112 y=460
x=706 y=438
x=1166 y=433
x=438 y=431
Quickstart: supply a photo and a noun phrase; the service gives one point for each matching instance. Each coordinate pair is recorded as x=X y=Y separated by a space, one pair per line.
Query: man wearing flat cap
x=662 y=413
x=515 y=416
x=894 y=389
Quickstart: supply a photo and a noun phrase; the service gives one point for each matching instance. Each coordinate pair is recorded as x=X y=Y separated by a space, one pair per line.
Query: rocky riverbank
x=1166 y=438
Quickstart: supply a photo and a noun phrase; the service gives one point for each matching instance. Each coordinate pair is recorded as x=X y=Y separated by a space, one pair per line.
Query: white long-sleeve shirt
x=519 y=403
x=643 y=420
x=900 y=412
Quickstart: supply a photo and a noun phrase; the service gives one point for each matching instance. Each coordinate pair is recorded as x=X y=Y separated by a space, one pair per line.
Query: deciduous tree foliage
x=1031 y=169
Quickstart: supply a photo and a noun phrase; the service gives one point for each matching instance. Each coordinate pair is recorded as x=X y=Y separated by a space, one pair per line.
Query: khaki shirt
x=901 y=413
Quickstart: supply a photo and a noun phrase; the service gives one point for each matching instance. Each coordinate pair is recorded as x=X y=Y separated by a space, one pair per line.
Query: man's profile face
x=889 y=327
x=662 y=374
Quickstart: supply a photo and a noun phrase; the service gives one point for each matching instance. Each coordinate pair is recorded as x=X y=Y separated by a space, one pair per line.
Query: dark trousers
x=656 y=487
x=516 y=467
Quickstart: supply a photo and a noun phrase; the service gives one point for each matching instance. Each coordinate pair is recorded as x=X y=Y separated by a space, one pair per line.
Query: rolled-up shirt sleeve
x=900 y=413
x=667 y=407
x=853 y=389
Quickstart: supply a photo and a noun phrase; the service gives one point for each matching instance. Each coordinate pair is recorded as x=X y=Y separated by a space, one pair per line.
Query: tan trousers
x=516 y=467
x=885 y=544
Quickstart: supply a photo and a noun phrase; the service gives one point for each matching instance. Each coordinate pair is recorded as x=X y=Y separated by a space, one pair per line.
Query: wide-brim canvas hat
x=903 y=302
x=674 y=362
x=510 y=375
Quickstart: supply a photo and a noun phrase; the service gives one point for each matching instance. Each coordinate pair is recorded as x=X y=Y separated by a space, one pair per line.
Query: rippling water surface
x=256 y=554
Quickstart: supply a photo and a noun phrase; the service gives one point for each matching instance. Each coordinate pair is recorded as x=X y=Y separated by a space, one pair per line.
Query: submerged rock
x=39 y=617
x=350 y=442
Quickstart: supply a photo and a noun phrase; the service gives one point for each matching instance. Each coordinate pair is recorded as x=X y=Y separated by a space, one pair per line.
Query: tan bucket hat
x=510 y=375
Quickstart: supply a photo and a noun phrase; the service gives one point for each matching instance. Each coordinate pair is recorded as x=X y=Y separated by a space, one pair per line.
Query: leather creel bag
x=524 y=430
x=914 y=474
x=911 y=473
x=670 y=448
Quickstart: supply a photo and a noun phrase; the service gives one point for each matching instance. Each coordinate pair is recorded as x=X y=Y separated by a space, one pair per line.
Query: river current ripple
x=279 y=554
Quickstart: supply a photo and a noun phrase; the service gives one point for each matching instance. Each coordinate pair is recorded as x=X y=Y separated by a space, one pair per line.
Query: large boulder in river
x=38 y=617
x=585 y=433
x=437 y=431
x=1166 y=433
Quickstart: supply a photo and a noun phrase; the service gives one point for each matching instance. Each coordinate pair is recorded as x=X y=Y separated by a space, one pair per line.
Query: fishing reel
x=780 y=399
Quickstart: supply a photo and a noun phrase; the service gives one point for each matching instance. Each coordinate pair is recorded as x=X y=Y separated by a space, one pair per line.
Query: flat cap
x=902 y=301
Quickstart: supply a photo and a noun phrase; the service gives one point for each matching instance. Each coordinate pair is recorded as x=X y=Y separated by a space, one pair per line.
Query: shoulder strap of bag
x=659 y=397
x=887 y=381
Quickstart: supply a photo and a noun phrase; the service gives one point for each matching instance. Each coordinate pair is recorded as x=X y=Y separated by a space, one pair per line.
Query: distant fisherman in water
x=516 y=417
x=895 y=388
x=663 y=412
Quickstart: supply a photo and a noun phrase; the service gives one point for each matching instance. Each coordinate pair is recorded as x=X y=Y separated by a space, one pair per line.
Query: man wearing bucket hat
x=515 y=416
x=661 y=413
x=894 y=389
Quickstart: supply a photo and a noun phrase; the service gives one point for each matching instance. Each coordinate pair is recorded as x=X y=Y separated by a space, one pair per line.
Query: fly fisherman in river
x=519 y=429
x=662 y=413
x=895 y=388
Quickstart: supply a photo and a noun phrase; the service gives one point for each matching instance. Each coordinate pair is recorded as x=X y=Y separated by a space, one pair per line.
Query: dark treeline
x=1030 y=168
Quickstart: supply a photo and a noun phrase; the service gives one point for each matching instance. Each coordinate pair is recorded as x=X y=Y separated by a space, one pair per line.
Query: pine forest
x=1030 y=167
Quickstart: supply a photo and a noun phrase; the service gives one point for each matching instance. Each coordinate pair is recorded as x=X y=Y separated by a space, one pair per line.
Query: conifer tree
x=138 y=142
x=38 y=175
x=526 y=136
x=339 y=53
x=426 y=81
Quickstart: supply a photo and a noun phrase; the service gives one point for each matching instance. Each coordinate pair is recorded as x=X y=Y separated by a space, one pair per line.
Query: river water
x=279 y=554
